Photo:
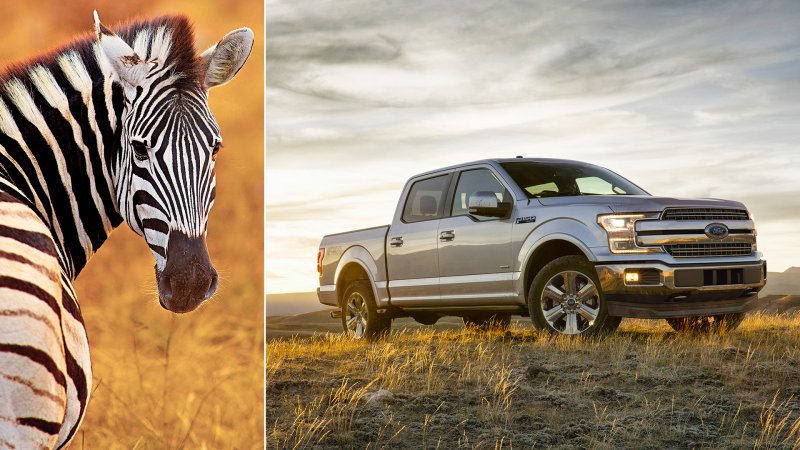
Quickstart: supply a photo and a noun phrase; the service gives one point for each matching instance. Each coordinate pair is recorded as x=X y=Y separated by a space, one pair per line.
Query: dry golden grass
x=163 y=381
x=643 y=387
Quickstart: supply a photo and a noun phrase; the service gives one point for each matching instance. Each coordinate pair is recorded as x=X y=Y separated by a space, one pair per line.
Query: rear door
x=411 y=244
x=475 y=260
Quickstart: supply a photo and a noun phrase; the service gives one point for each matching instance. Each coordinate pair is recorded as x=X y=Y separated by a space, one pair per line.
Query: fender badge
x=527 y=219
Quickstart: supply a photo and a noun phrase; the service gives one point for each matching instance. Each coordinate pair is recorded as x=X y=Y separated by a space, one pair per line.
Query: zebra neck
x=58 y=139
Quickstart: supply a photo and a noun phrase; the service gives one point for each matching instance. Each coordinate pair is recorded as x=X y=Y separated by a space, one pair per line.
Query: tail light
x=320 y=256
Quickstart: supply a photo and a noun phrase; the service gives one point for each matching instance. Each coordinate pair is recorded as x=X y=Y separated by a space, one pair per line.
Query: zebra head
x=164 y=171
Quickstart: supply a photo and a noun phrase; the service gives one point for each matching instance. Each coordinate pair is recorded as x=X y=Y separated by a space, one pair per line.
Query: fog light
x=631 y=277
x=643 y=276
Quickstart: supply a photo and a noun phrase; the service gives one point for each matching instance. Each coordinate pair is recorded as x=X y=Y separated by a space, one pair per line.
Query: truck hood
x=639 y=203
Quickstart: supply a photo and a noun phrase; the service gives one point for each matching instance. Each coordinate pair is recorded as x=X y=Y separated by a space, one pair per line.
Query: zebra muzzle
x=188 y=278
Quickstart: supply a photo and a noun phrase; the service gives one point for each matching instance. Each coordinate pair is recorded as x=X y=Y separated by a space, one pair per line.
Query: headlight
x=621 y=235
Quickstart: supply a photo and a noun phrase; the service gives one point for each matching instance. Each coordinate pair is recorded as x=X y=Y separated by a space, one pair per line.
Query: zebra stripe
x=33 y=380
x=70 y=172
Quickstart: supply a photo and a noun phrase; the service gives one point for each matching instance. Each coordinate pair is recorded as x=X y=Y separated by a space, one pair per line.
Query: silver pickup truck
x=574 y=246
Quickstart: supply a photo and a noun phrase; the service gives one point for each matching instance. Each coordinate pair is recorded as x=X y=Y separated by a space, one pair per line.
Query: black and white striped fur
x=110 y=128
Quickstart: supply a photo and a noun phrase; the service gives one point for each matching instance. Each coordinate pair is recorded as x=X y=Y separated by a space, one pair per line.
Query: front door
x=475 y=261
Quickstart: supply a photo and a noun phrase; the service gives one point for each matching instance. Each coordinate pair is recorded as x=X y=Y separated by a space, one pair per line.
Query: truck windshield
x=540 y=179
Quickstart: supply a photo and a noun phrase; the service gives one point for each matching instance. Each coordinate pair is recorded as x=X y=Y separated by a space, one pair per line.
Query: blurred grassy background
x=162 y=380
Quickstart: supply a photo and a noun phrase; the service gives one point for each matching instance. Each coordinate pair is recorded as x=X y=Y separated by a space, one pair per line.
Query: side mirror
x=485 y=203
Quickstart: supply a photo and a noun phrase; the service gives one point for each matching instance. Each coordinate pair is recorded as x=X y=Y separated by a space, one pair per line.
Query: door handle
x=396 y=241
x=447 y=235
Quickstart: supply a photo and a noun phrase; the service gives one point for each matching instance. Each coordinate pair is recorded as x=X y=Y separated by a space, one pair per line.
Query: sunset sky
x=697 y=99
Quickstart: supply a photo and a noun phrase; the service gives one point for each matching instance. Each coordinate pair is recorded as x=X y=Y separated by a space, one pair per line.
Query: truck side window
x=472 y=181
x=425 y=199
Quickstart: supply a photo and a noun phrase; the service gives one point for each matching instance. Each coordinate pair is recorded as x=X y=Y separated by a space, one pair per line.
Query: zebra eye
x=217 y=146
x=139 y=150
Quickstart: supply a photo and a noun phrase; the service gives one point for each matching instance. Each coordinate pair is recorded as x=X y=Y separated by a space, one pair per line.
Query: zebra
x=112 y=127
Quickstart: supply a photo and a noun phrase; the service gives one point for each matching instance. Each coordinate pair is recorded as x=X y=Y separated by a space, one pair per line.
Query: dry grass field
x=643 y=387
x=163 y=381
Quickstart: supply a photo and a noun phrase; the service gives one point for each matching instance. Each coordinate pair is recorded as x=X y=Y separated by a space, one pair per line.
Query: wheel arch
x=355 y=264
x=547 y=249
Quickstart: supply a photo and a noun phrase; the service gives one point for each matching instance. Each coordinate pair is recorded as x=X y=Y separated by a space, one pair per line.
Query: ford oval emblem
x=717 y=231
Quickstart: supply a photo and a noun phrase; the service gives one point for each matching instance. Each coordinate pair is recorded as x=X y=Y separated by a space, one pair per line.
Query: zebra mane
x=170 y=38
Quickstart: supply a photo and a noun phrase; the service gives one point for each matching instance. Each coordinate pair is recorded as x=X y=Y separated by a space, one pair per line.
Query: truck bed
x=367 y=245
x=366 y=237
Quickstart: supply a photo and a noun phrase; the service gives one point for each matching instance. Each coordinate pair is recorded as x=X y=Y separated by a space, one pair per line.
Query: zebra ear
x=123 y=59
x=223 y=60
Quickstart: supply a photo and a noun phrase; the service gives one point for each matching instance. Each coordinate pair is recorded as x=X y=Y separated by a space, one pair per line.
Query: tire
x=488 y=321
x=558 y=309
x=707 y=324
x=360 y=318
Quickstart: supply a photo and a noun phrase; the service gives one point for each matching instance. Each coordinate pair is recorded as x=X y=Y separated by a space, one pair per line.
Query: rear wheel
x=565 y=298
x=707 y=324
x=488 y=321
x=360 y=318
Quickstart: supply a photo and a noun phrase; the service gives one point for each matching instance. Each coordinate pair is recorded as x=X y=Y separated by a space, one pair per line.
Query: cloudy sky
x=698 y=99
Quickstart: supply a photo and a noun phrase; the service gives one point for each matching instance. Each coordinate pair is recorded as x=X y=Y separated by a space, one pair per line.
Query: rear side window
x=472 y=181
x=425 y=199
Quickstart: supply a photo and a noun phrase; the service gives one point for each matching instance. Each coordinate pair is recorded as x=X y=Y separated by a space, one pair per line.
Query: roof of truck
x=505 y=160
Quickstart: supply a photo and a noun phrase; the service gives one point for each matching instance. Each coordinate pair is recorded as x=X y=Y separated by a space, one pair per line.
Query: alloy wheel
x=357 y=315
x=570 y=302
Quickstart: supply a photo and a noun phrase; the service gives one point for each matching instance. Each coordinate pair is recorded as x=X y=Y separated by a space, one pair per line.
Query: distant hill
x=302 y=325
x=295 y=303
x=783 y=283
x=307 y=324
x=780 y=304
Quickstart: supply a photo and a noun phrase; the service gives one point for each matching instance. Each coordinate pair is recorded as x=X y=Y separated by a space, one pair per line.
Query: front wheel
x=565 y=298
x=360 y=318
x=706 y=324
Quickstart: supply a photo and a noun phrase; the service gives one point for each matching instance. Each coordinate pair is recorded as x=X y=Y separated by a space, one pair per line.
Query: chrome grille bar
x=685 y=238
x=704 y=214
x=709 y=249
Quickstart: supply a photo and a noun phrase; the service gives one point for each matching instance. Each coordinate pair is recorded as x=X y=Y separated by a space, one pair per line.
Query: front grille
x=722 y=277
x=704 y=214
x=698 y=250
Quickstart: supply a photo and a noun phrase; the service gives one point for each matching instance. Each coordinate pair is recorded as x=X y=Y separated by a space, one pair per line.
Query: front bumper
x=682 y=291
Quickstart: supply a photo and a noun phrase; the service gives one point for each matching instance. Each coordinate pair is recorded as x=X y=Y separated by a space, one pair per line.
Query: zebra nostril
x=165 y=287
x=213 y=287
x=164 y=283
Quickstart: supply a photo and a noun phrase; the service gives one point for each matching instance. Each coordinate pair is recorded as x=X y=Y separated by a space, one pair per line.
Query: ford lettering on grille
x=716 y=231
